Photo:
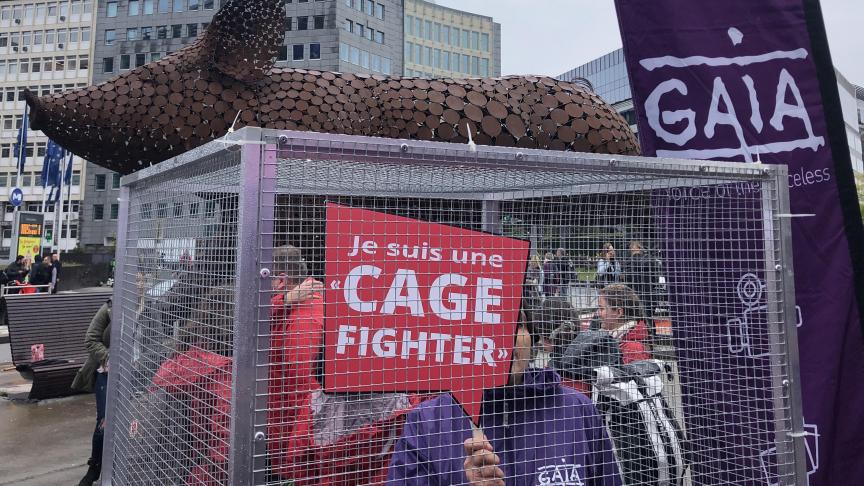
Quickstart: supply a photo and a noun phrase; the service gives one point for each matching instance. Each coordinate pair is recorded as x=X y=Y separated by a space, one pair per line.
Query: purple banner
x=752 y=81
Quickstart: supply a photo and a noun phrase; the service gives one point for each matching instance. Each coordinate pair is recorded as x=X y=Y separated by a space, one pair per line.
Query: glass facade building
x=445 y=42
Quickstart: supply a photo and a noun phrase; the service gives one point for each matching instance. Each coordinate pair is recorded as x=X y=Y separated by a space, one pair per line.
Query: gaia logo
x=560 y=475
x=753 y=94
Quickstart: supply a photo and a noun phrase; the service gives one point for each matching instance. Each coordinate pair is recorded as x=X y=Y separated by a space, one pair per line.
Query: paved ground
x=45 y=443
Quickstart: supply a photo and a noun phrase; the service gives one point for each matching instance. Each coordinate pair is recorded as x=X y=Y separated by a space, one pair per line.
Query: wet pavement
x=43 y=443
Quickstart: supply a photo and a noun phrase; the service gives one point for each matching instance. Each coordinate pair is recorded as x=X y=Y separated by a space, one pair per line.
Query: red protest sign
x=413 y=306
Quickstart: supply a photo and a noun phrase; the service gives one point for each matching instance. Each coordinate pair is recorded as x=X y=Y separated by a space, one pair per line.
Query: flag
x=753 y=81
x=67 y=179
x=54 y=153
x=21 y=142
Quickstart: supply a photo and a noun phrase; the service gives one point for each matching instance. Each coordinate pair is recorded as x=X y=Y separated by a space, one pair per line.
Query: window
x=466 y=68
x=484 y=42
x=298 y=52
x=98 y=212
x=115 y=211
x=191 y=30
x=475 y=40
x=445 y=34
x=349 y=26
x=76 y=178
x=162 y=210
x=140 y=59
x=409 y=25
x=427 y=30
x=146 y=211
x=208 y=4
x=178 y=5
x=164 y=6
x=314 y=51
x=84 y=63
x=319 y=21
x=134 y=8
x=303 y=22
x=360 y=30
x=125 y=61
x=289 y=23
x=193 y=5
x=364 y=59
x=132 y=34
x=369 y=7
x=107 y=64
x=27 y=180
x=100 y=182
x=193 y=209
x=454 y=37
x=465 y=42
x=379 y=11
x=146 y=33
x=418 y=27
x=379 y=37
x=343 y=52
x=283 y=53
x=162 y=32
x=178 y=210
x=409 y=51
x=484 y=67
x=111 y=9
x=115 y=181
x=4 y=177
x=148 y=7
x=436 y=32
x=370 y=34
x=110 y=35
x=176 y=31
x=445 y=60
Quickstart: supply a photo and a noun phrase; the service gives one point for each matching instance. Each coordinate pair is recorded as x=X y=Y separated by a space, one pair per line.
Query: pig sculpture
x=227 y=77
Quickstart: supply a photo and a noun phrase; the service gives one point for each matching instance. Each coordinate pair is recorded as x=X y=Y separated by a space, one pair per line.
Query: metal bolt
x=703 y=168
x=613 y=163
x=259 y=436
x=403 y=147
x=778 y=267
x=283 y=139
x=520 y=156
x=264 y=272
x=786 y=383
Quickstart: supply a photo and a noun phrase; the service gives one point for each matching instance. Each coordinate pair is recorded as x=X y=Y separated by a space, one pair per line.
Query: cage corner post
x=116 y=333
x=242 y=432
x=790 y=439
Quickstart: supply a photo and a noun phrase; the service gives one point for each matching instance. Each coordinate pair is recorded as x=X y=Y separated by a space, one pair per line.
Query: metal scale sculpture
x=193 y=96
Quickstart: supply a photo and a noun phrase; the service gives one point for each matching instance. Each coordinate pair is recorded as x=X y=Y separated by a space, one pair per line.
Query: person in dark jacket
x=56 y=269
x=40 y=273
x=93 y=377
x=532 y=431
x=640 y=274
x=16 y=272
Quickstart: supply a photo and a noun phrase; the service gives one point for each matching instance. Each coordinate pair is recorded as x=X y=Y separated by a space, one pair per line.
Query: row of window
x=32 y=179
x=298 y=52
x=99 y=212
x=39 y=12
x=58 y=38
x=37 y=207
x=364 y=59
x=149 y=7
x=43 y=64
x=101 y=181
x=446 y=60
x=303 y=22
x=364 y=31
x=177 y=210
x=16 y=93
x=373 y=9
x=174 y=31
x=445 y=34
x=129 y=61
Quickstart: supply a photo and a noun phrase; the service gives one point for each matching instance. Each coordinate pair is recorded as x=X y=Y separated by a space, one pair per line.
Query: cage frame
x=258 y=149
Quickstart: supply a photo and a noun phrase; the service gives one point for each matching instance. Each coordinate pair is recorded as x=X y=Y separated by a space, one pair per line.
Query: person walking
x=93 y=377
x=56 y=268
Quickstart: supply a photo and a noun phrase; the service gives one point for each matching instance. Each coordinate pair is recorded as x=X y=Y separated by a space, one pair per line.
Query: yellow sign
x=30 y=227
x=30 y=246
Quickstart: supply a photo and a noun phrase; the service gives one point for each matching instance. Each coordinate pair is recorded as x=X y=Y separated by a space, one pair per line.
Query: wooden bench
x=58 y=322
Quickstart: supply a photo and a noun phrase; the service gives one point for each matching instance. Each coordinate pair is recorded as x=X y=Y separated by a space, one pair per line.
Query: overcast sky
x=553 y=36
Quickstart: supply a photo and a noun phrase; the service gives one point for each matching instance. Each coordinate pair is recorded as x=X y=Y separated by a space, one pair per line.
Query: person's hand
x=481 y=462
x=303 y=291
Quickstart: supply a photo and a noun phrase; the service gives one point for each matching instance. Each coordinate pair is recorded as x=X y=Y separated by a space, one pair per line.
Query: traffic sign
x=16 y=197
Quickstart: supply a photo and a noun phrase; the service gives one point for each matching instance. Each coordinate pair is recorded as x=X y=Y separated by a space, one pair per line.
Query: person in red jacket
x=620 y=314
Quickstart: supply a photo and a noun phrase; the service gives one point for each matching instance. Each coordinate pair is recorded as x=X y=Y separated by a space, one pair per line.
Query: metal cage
x=217 y=375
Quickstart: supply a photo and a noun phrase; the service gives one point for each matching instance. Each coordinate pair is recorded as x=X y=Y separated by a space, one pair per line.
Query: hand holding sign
x=418 y=307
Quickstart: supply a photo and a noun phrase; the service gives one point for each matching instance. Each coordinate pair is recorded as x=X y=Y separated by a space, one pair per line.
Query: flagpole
x=58 y=208
x=71 y=169
x=22 y=152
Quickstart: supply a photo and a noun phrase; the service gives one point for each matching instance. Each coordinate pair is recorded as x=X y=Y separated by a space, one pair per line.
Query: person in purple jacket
x=534 y=432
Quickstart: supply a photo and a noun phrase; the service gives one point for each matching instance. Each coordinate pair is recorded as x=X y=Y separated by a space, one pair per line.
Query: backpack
x=648 y=440
x=587 y=351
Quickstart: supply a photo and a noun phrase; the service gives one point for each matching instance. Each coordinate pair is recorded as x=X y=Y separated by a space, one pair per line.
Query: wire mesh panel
x=172 y=367
x=426 y=314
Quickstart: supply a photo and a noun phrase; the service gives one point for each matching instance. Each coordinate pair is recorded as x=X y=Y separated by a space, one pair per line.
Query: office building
x=607 y=76
x=44 y=47
x=334 y=35
x=445 y=42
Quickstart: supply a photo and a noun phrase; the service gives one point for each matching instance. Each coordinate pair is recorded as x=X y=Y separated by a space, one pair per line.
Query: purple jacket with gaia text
x=543 y=433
